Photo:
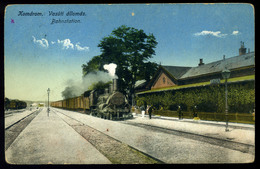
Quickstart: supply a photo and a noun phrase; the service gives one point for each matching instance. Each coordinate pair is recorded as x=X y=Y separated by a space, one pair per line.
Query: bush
x=241 y=98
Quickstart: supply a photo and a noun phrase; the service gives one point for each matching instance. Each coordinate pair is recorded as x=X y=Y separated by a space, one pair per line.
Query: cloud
x=43 y=42
x=86 y=48
x=66 y=44
x=235 y=32
x=210 y=33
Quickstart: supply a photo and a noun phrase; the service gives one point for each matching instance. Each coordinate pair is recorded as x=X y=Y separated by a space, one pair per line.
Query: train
x=14 y=104
x=108 y=103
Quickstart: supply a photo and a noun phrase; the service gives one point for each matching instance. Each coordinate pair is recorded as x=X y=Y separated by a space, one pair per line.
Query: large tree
x=95 y=64
x=131 y=50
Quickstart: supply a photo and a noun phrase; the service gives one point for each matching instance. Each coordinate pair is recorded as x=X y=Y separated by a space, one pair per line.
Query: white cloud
x=66 y=44
x=86 y=48
x=43 y=42
x=235 y=32
x=211 y=33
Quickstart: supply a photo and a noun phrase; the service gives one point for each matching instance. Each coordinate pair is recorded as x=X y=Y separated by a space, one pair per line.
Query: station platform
x=49 y=140
x=238 y=132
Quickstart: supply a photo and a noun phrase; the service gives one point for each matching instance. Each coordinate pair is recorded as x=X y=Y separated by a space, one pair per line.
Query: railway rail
x=223 y=142
x=116 y=151
x=13 y=130
x=120 y=151
x=12 y=112
x=242 y=147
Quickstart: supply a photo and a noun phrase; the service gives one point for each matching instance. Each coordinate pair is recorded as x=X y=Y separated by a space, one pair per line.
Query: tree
x=6 y=103
x=149 y=68
x=130 y=49
x=95 y=64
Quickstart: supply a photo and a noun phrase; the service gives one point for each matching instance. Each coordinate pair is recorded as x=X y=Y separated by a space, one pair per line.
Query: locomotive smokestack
x=106 y=91
x=110 y=88
x=114 y=84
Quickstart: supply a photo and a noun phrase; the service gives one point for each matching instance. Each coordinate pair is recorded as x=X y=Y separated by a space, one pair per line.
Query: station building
x=242 y=68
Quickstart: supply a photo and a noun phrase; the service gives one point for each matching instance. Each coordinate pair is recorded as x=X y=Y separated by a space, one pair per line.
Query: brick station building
x=242 y=69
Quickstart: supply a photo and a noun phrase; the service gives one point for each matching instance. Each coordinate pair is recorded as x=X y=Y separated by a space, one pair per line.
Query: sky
x=41 y=54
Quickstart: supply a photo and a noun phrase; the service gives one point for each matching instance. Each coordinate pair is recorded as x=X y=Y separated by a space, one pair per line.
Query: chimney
x=242 y=49
x=201 y=62
x=110 y=88
x=106 y=91
x=114 y=84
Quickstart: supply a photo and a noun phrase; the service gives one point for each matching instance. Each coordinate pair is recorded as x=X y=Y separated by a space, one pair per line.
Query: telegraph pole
x=48 y=110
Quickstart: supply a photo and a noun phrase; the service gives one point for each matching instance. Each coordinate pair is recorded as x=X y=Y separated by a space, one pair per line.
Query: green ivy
x=241 y=98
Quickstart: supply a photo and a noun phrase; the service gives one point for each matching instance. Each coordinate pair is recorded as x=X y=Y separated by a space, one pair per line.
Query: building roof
x=201 y=84
x=180 y=73
x=214 y=67
x=176 y=71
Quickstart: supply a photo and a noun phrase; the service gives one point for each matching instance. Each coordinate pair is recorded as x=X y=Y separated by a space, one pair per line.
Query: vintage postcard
x=129 y=83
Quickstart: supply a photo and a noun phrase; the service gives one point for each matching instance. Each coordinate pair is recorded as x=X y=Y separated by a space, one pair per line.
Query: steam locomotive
x=108 y=104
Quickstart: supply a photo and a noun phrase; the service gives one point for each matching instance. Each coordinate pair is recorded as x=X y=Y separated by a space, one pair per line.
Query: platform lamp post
x=48 y=110
x=226 y=74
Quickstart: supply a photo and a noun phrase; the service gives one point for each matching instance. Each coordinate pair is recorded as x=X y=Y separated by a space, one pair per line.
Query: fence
x=233 y=117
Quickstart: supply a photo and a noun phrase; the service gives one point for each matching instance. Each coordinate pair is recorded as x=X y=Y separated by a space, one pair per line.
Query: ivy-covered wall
x=241 y=98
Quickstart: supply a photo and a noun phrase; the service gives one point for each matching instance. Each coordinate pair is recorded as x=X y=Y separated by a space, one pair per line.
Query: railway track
x=13 y=130
x=116 y=151
x=12 y=112
x=222 y=142
x=242 y=147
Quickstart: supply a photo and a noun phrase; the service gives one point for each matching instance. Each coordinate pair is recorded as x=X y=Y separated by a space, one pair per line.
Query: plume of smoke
x=76 y=88
x=72 y=89
x=111 y=68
